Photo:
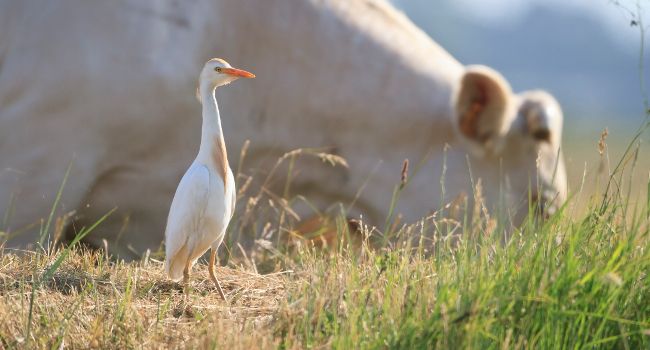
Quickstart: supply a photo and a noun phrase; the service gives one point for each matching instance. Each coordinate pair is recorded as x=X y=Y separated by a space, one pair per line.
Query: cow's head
x=520 y=133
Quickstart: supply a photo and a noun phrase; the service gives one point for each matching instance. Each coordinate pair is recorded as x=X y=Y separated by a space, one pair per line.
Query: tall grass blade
x=46 y=230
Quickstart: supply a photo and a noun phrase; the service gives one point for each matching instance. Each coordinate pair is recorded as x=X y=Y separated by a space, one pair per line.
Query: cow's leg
x=186 y=280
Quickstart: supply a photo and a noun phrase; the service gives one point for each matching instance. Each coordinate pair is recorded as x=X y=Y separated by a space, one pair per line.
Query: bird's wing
x=188 y=208
x=233 y=204
x=233 y=196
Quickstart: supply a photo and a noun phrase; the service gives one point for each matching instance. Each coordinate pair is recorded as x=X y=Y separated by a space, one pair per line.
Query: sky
x=610 y=13
x=511 y=12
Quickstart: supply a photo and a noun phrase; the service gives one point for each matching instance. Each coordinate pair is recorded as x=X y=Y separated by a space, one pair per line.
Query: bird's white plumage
x=198 y=217
x=186 y=217
x=205 y=198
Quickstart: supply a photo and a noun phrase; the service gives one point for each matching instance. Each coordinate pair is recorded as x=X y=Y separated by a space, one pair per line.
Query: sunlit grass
x=569 y=282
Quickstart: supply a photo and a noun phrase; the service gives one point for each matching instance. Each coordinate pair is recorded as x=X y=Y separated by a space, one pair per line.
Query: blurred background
x=585 y=52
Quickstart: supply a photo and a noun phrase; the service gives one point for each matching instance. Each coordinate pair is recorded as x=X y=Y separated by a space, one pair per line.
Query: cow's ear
x=483 y=107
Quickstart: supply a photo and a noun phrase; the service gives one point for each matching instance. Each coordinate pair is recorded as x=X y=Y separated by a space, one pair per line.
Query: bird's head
x=218 y=72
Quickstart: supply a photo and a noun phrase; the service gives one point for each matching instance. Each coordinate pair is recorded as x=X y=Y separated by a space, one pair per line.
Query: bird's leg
x=186 y=279
x=213 y=256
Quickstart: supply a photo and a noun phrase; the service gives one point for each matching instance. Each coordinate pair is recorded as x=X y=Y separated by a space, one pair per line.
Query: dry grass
x=578 y=280
x=574 y=281
x=94 y=303
x=563 y=284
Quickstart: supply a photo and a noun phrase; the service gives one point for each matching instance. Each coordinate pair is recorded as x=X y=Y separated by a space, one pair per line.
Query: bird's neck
x=212 y=141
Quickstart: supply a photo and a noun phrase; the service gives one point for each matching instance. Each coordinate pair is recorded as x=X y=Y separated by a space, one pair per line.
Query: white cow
x=108 y=86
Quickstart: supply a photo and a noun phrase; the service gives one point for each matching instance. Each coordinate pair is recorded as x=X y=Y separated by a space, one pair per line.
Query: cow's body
x=108 y=87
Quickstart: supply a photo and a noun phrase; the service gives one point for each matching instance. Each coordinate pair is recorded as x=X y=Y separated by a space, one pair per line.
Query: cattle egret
x=205 y=198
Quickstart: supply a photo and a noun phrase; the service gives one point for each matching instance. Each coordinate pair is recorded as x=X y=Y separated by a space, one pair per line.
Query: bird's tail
x=175 y=264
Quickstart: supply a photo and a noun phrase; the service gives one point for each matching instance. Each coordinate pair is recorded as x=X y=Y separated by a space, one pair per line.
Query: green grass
x=565 y=285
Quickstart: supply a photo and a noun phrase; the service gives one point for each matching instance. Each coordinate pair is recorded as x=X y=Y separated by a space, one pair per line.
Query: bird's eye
x=218 y=69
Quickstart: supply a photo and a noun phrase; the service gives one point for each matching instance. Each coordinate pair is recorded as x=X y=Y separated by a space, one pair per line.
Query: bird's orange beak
x=239 y=73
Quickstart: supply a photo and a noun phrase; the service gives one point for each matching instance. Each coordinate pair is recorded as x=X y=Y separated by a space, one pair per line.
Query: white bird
x=205 y=198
